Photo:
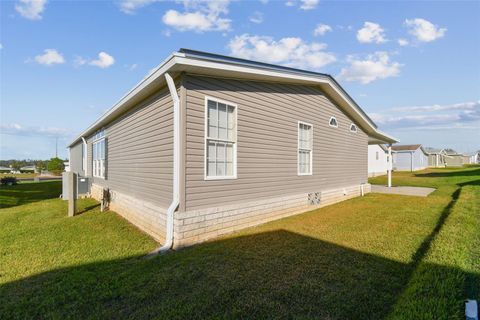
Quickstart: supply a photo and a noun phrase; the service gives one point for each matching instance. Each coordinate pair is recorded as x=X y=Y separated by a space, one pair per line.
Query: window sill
x=219 y=178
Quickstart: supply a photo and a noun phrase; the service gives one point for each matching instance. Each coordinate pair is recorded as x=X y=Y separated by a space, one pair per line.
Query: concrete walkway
x=406 y=191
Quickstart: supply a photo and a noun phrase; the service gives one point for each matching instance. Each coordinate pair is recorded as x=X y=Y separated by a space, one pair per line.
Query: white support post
x=389 y=165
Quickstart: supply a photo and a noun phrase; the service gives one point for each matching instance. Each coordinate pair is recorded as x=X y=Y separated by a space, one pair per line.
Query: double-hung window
x=220 y=139
x=305 y=146
x=99 y=154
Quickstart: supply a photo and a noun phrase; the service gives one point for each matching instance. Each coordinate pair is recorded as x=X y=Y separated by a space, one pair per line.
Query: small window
x=353 y=128
x=305 y=144
x=376 y=155
x=333 y=122
x=99 y=154
x=220 y=139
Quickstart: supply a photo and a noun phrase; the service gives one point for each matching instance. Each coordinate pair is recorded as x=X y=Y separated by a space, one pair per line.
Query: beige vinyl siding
x=139 y=151
x=76 y=158
x=267 y=119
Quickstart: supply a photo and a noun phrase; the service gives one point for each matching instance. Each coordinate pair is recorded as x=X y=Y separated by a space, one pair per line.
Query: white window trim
x=354 y=126
x=94 y=141
x=298 y=149
x=205 y=162
x=333 y=126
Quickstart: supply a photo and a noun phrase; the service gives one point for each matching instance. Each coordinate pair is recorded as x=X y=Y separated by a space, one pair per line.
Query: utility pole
x=56 y=147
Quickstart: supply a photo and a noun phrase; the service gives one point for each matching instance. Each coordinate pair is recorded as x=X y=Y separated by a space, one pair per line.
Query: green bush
x=8 y=181
x=56 y=166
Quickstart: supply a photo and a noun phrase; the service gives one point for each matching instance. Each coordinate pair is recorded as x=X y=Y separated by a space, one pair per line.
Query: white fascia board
x=180 y=59
x=157 y=73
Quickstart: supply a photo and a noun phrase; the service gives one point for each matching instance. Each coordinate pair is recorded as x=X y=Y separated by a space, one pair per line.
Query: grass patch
x=359 y=259
x=24 y=193
x=450 y=271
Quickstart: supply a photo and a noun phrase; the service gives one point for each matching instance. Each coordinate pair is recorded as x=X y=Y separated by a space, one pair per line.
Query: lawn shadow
x=277 y=274
x=23 y=193
x=450 y=174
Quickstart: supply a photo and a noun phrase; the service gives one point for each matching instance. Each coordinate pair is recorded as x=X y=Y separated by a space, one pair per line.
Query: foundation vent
x=314 y=198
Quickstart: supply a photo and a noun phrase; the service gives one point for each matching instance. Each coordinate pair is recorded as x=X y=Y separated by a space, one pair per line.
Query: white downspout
x=411 y=161
x=84 y=156
x=389 y=165
x=176 y=168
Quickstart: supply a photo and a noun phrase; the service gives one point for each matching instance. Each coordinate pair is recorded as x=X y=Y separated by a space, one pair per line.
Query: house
x=378 y=160
x=436 y=157
x=30 y=169
x=209 y=144
x=410 y=157
x=475 y=157
x=453 y=159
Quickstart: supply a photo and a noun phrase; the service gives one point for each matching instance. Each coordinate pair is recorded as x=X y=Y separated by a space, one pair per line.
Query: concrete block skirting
x=196 y=226
x=146 y=216
x=199 y=225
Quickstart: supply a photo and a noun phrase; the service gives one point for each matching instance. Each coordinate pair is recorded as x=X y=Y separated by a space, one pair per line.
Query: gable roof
x=406 y=147
x=204 y=63
x=430 y=150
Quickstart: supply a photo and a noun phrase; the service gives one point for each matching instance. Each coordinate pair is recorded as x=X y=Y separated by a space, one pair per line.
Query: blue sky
x=414 y=67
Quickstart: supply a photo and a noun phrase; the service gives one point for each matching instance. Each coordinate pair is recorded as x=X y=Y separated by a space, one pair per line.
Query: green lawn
x=380 y=256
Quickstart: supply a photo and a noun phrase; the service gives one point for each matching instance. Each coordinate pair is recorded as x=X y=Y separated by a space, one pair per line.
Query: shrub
x=56 y=166
x=8 y=181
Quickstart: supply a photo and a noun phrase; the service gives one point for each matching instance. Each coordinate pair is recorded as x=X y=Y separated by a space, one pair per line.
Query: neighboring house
x=5 y=169
x=466 y=158
x=453 y=159
x=436 y=157
x=32 y=169
x=409 y=157
x=208 y=144
x=378 y=160
x=475 y=158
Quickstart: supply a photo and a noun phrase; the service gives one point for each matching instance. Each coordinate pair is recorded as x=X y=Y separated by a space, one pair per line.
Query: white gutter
x=176 y=168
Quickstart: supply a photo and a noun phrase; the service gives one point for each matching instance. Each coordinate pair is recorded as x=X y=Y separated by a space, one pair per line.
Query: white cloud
x=199 y=16
x=293 y=52
x=472 y=105
x=20 y=130
x=321 y=29
x=79 y=61
x=403 y=42
x=376 y=66
x=304 y=4
x=130 y=6
x=31 y=9
x=424 y=30
x=309 y=4
x=256 y=17
x=104 y=60
x=50 y=57
x=371 y=32
x=132 y=66
x=435 y=117
x=1 y=46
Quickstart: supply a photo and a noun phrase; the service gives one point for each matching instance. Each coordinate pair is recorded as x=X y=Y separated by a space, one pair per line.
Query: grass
x=380 y=256
x=19 y=175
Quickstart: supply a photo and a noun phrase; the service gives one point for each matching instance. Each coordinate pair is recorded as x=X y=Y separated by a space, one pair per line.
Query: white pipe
x=176 y=168
x=84 y=156
x=390 y=166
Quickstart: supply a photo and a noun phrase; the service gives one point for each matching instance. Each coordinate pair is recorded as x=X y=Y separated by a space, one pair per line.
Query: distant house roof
x=5 y=169
x=430 y=150
x=406 y=147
